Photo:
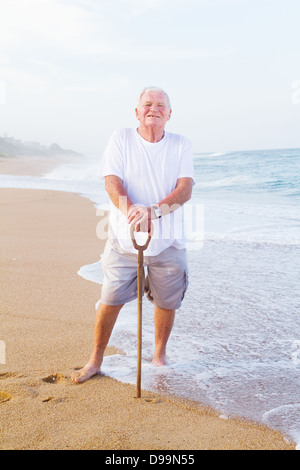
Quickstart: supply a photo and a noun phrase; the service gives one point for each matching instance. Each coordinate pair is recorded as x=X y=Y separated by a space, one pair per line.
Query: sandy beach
x=47 y=313
x=31 y=166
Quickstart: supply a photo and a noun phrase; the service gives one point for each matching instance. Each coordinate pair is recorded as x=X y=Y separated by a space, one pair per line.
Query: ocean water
x=235 y=345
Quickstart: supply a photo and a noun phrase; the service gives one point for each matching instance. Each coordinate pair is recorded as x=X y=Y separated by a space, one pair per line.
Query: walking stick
x=140 y=278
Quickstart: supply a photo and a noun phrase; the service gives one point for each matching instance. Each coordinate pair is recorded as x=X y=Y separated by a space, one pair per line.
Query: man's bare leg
x=163 y=321
x=105 y=320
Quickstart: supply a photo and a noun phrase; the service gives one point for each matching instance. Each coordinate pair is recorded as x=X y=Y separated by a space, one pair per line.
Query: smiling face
x=153 y=110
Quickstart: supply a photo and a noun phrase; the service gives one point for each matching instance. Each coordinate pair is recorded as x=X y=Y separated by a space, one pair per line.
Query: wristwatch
x=157 y=211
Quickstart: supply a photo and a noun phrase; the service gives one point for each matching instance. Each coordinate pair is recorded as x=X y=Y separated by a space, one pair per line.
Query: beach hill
x=11 y=147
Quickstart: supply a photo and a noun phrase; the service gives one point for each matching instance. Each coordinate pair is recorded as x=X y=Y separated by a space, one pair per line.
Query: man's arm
x=141 y=216
x=117 y=193
x=179 y=196
x=119 y=197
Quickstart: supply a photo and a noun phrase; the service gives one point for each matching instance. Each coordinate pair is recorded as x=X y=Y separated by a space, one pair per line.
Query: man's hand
x=140 y=217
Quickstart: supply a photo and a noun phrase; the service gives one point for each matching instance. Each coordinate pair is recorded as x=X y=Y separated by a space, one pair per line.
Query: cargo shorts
x=165 y=283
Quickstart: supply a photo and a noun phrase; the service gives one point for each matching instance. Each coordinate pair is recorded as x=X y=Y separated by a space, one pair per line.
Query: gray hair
x=153 y=88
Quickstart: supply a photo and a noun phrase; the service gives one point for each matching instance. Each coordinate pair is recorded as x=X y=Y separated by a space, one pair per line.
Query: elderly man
x=149 y=176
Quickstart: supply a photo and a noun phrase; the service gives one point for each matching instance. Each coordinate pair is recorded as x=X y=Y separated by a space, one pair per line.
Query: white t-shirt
x=149 y=172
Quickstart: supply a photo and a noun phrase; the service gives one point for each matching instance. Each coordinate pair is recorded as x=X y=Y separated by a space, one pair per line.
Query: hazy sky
x=71 y=70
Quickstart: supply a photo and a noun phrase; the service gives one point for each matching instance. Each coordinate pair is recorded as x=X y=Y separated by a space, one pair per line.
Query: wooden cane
x=140 y=282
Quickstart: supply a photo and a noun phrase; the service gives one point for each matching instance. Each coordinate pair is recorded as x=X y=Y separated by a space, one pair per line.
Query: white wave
x=254 y=237
x=209 y=155
x=228 y=181
x=92 y=272
x=85 y=170
x=283 y=417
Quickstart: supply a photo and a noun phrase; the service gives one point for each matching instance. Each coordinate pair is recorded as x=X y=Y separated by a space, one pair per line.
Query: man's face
x=153 y=110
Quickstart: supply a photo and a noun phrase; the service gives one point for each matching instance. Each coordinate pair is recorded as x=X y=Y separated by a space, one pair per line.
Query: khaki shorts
x=165 y=284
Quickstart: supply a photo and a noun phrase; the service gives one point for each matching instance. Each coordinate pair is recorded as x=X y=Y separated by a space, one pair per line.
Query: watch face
x=157 y=212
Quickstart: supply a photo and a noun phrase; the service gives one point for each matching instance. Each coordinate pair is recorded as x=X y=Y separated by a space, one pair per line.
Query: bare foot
x=160 y=361
x=85 y=373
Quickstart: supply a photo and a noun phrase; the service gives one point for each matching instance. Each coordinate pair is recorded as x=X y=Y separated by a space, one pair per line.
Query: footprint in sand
x=54 y=378
x=4 y=397
x=152 y=400
x=5 y=375
x=8 y=375
x=46 y=400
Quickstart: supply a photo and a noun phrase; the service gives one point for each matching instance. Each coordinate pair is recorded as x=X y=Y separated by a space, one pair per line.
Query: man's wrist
x=156 y=212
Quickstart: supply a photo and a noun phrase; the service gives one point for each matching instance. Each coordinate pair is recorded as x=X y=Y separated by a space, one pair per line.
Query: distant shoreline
x=28 y=166
x=11 y=147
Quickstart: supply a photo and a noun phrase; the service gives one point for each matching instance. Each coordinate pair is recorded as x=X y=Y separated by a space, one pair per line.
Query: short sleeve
x=186 y=168
x=112 y=162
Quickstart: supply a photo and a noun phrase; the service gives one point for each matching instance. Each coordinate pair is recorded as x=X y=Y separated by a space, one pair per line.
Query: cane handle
x=135 y=244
